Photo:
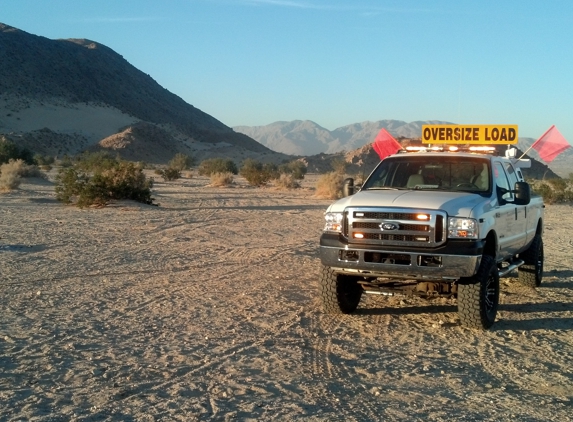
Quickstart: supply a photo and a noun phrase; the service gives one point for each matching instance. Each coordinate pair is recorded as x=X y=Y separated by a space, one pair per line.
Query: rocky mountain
x=304 y=137
x=61 y=96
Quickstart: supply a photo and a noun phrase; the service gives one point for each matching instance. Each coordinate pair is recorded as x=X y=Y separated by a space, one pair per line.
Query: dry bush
x=28 y=170
x=329 y=185
x=287 y=181
x=10 y=175
x=221 y=179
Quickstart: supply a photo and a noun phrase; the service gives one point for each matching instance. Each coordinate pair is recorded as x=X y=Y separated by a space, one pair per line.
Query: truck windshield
x=470 y=174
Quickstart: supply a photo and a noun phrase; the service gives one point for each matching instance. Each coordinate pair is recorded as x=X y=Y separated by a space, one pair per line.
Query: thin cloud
x=286 y=3
x=122 y=19
x=363 y=9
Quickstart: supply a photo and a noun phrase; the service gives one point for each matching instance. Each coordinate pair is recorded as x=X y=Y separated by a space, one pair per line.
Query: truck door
x=511 y=219
x=520 y=210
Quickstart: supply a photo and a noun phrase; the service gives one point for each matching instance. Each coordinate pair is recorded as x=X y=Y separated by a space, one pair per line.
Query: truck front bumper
x=446 y=263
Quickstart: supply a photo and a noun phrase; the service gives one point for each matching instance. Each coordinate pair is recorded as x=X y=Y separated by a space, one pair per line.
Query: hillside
x=79 y=92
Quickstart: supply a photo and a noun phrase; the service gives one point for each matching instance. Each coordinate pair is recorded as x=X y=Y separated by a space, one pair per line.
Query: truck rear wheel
x=531 y=273
x=478 y=296
x=340 y=294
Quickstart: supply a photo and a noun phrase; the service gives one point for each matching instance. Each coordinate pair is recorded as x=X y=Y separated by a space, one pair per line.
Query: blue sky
x=254 y=62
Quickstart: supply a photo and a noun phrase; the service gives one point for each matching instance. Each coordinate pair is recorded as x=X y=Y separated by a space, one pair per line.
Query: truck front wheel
x=478 y=296
x=531 y=273
x=340 y=294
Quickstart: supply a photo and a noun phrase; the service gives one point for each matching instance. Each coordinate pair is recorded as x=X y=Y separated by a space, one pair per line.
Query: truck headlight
x=333 y=222
x=462 y=228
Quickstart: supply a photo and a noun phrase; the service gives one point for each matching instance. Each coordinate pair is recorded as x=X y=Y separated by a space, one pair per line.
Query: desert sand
x=206 y=308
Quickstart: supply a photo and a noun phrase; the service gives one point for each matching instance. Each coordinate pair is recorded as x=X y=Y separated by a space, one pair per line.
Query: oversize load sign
x=469 y=134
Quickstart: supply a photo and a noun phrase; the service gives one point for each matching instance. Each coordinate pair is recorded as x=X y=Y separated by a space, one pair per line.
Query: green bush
x=10 y=151
x=180 y=162
x=96 y=161
x=66 y=161
x=339 y=165
x=123 y=180
x=217 y=165
x=170 y=173
x=296 y=168
x=43 y=160
x=553 y=191
x=257 y=173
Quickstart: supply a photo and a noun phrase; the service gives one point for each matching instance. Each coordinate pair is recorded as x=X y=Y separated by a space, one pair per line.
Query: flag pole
x=528 y=149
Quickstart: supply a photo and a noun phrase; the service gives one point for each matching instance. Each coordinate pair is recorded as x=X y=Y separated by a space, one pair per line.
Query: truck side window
x=502 y=181
x=511 y=174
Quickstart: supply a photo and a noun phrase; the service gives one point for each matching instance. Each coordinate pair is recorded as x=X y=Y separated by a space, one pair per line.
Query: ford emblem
x=388 y=226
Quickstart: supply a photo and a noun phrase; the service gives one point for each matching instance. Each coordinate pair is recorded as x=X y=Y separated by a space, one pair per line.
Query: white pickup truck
x=434 y=224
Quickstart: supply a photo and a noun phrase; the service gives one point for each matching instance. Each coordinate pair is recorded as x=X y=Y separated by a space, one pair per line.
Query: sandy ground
x=206 y=308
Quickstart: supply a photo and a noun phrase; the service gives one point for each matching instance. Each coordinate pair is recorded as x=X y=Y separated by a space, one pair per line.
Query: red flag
x=550 y=145
x=385 y=144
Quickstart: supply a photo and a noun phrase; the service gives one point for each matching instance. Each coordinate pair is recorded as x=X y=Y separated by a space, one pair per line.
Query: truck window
x=502 y=181
x=511 y=175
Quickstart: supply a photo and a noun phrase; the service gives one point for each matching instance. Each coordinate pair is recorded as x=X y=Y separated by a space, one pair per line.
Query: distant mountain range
x=306 y=138
x=63 y=96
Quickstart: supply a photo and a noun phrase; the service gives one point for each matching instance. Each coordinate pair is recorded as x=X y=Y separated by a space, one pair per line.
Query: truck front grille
x=390 y=226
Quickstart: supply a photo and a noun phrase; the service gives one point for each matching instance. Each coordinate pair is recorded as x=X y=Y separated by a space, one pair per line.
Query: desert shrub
x=557 y=184
x=329 y=185
x=296 y=168
x=10 y=151
x=96 y=161
x=553 y=191
x=221 y=179
x=217 y=165
x=30 y=170
x=180 y=162
x=123 y=180
x=339 y=165
x=10 y=175
x=287 y=181
x=170 y=173
x=66 y=161
x=43 y=160
x=257 y=173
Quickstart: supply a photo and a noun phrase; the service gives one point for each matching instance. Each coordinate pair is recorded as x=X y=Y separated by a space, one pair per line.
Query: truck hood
x=453 y=203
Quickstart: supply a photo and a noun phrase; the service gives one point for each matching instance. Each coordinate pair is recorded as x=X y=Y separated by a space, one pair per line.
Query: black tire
x=478 y=296
x=340 y=294
x=531 y=273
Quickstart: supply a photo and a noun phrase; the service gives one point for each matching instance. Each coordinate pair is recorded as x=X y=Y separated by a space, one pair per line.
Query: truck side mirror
x=348 y=187
x=522 y=193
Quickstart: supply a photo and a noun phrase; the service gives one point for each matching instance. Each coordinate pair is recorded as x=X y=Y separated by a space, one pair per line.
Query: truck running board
x=516 y=263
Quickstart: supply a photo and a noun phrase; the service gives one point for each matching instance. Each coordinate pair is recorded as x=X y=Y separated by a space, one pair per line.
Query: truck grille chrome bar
x=395 y=226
